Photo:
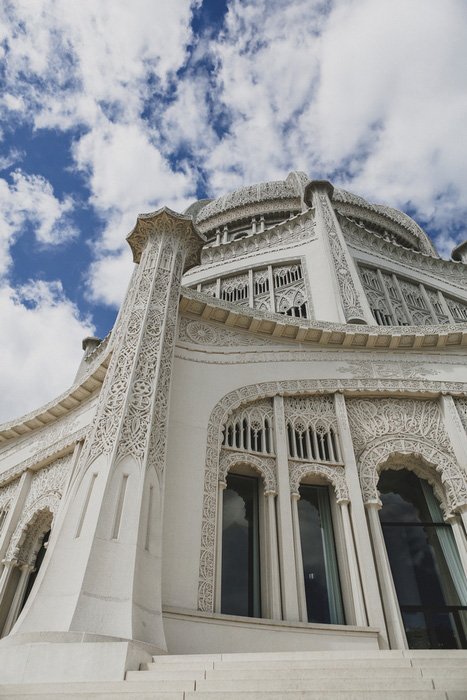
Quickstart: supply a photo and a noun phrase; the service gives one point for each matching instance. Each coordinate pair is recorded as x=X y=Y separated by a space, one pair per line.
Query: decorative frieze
x=40 y=507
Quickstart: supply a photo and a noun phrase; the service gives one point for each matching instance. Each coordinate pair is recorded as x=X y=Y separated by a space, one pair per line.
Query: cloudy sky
x=109 y=108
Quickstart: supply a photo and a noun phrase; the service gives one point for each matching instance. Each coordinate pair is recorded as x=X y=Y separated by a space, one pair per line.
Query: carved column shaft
x=299 y=559
x=15 y=511
x=106 y=539
x=363 y=548
x=357 y=593
x=274 y=584
x=349 y=287
x=388 y=592
x=290 y=609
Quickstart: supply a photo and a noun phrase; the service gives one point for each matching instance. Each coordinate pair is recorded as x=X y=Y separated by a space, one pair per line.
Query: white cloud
x=41 y=325
x=30 y=200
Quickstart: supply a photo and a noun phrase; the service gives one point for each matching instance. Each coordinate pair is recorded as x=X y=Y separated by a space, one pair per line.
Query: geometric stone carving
x=349 y=294
x=266 y=466
x=372 y=418
x=335 y=475
x=461 y=405
x=412 y=429
x=47 y=486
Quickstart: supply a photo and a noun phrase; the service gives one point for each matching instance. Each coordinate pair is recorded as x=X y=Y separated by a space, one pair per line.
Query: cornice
x=308 y=332
x=58 y=407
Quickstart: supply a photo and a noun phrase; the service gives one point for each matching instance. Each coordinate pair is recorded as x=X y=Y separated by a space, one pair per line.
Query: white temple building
x=267 y=455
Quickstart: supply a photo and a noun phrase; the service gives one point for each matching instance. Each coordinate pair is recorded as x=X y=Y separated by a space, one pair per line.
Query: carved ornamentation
x=335 y=475
x=349 y=294
x=423 y=458
x=135 y=396
x=461 y=405
x=66 y=444
x=289 y=233
x=203 y=333
x=414 y=429
x=198 y=301
x=253 y=392
x=44 y=496
x=158 y=437
x=7 y=495
x=312 y=428
x=369 y=241
x=388 y=368
x=249 y=428
x=375 y=418
x=28 y=540
x=386 y=217
x=266 y=466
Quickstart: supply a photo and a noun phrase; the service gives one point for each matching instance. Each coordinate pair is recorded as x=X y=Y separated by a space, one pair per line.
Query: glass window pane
x=403 y=498
x=416 y=629
x=425 y=564
x=240 y=594
x=322 y=587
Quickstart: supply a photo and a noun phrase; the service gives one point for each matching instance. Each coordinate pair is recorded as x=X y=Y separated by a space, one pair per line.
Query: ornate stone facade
x=278 y=349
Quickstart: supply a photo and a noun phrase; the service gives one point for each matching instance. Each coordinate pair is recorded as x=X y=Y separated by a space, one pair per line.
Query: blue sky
x=111 y=108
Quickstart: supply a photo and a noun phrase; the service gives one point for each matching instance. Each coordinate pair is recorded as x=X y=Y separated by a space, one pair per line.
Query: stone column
x=104 y=579
x=290 y=609
x=347 y=284
x=15 y=510
x=299 y=559
x=388 y=592
x=274 y=585
x=219 y=530
x=357 y=593
x=363 y=548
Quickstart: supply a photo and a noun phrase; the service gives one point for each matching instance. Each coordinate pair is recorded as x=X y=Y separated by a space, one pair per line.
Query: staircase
x=330 y=675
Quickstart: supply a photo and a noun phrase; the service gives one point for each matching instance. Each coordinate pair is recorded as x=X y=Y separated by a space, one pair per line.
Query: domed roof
x=287 y=196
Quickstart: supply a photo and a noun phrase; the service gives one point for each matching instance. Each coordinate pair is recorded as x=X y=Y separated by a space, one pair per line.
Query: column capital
x=314 y=185
x=376 y=503
x=165 y=219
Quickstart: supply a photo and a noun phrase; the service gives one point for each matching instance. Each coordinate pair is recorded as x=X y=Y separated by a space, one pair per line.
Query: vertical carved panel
x=349 y=294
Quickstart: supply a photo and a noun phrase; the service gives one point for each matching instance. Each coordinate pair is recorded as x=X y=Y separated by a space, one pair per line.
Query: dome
x=277 y=200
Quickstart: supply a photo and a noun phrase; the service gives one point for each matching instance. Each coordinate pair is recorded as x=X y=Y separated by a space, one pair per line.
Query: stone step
x=383 y=673
x=325 y=695
x=306 y=684
x=180 y=674
x=440 y=673
x=316 y=663
x=64 y=694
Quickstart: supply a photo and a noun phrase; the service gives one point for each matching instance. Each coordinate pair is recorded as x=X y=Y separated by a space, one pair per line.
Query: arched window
x=321 y=575
x=425 y=564
x=240 y=591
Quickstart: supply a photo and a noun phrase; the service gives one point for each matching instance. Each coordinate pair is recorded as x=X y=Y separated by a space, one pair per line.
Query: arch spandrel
x=265 y=466
x=334 y=475
x=426 y=460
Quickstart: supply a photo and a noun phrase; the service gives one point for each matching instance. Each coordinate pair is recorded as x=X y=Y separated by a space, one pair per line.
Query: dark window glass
x=37 y=565
x=240 y=593
x=322 y=587
x=425 y=564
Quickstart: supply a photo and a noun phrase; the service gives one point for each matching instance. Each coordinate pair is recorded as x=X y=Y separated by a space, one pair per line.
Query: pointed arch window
x=320 y=570
x=427 y=571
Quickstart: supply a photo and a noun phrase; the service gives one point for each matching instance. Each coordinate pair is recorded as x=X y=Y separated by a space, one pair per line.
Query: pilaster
x=104 y=579
x=363 y=547
x=290 y=607
x=347 y=285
